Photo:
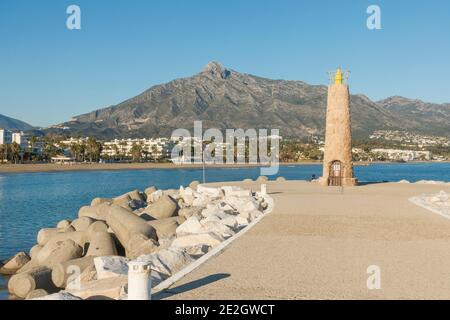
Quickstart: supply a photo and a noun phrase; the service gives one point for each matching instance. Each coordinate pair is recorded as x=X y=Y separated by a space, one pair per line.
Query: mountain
x=224 y=98
x=419 y=116
x=14 y=124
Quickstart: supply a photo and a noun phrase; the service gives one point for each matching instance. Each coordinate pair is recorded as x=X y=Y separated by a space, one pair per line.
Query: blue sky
x=49 y=73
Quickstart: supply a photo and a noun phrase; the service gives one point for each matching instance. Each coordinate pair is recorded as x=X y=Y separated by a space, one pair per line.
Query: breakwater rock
x=87 y=258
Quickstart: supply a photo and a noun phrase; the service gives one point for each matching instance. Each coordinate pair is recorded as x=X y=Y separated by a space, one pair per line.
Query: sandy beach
x=318 y=243
x=51 y=167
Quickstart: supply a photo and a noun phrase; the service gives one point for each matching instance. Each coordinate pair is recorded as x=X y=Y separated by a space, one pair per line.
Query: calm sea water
x=31 y=201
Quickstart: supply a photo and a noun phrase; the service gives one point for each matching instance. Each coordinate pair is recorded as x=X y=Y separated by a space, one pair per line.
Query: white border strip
x=214 y=252
x=422 y=205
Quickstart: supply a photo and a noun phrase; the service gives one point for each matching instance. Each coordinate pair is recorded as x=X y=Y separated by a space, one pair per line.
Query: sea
x=31 y=201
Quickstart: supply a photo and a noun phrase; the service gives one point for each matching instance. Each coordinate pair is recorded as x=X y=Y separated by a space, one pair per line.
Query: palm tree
x=93 y=149
x=136 y=152
x=15 y=151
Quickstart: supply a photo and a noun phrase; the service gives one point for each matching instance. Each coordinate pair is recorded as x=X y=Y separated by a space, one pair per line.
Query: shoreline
x=51 y=167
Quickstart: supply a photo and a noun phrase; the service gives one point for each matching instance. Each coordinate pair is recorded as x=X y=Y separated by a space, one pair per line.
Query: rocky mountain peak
x=216 y=69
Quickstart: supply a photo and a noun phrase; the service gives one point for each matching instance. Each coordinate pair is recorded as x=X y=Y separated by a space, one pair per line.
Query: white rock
x=201 y=201
x=250 y=215
x=187 y=195
x=198 y=250
x=190 y=226
x=231 y=222
x=213 y=210
x=243 y=204
x=62 y=295
x=209 y=219
x=239 y=193
x=208 y=239
x=218 y=228
x=110 y=266
x=155 y=196
x=403 y=181
x=168 y=261
x=242 y=222
x=210 y=192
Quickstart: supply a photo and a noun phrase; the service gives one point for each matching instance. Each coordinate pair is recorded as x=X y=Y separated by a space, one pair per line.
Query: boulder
x=62 y=271
x=252 y=215
x=198 y=250
x=154 y=196
x=202 y=200
x=38 y=293
x=166 y=227
x=210 y=192
x=101 y=244
x=44 y=235
x=122 y=200
x=168 y=261
x=110 y=267
x=62 y=295
x=216 y=227
x=164 y=207
x=126 y=225
x=13 y=264
x=97 y=226
x=66 y=250
x=192 y=240
x=139 y=245
x=88 y=274
x=110 y=288
x=63 y=224
x=188 y=212
x=280 y=179
x=242 y=204
x=190 y=226
x=149 y=191
x=136 y=195
x=194 y=184
x=187 y=196
x=82 y=224
x=98 y=212
x=262 y=179
x=23 y=283
x=98 y=201
x=135 y=235
x=247 y=180
x=34 y=251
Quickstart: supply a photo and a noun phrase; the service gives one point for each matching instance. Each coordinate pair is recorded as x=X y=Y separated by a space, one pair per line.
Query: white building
x=5 y=136
x=404 y=155
x=155 y=148
x=21 y=139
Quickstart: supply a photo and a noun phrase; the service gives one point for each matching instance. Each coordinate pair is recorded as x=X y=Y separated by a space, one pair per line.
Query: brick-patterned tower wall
x=338 y=134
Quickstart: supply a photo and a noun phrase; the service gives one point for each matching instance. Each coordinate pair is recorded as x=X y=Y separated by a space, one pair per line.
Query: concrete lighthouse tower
x=337 y=162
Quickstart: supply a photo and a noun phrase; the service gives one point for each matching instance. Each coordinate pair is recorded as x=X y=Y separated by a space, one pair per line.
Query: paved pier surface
x=319 y=242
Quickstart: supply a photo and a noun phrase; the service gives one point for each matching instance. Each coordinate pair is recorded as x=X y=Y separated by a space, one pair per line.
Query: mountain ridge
x=224 y=98
x=14 y=124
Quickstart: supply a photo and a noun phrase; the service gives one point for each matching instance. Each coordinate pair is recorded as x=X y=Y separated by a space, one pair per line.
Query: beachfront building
x=21 y=139
x=5 y=136
x=337 y=163
x=154 y=148
x=403 y=155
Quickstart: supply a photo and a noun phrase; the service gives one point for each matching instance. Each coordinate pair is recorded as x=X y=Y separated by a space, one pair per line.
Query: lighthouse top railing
x=338 y=76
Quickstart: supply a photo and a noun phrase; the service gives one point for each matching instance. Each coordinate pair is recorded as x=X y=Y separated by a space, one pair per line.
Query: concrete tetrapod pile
x=87 y=258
